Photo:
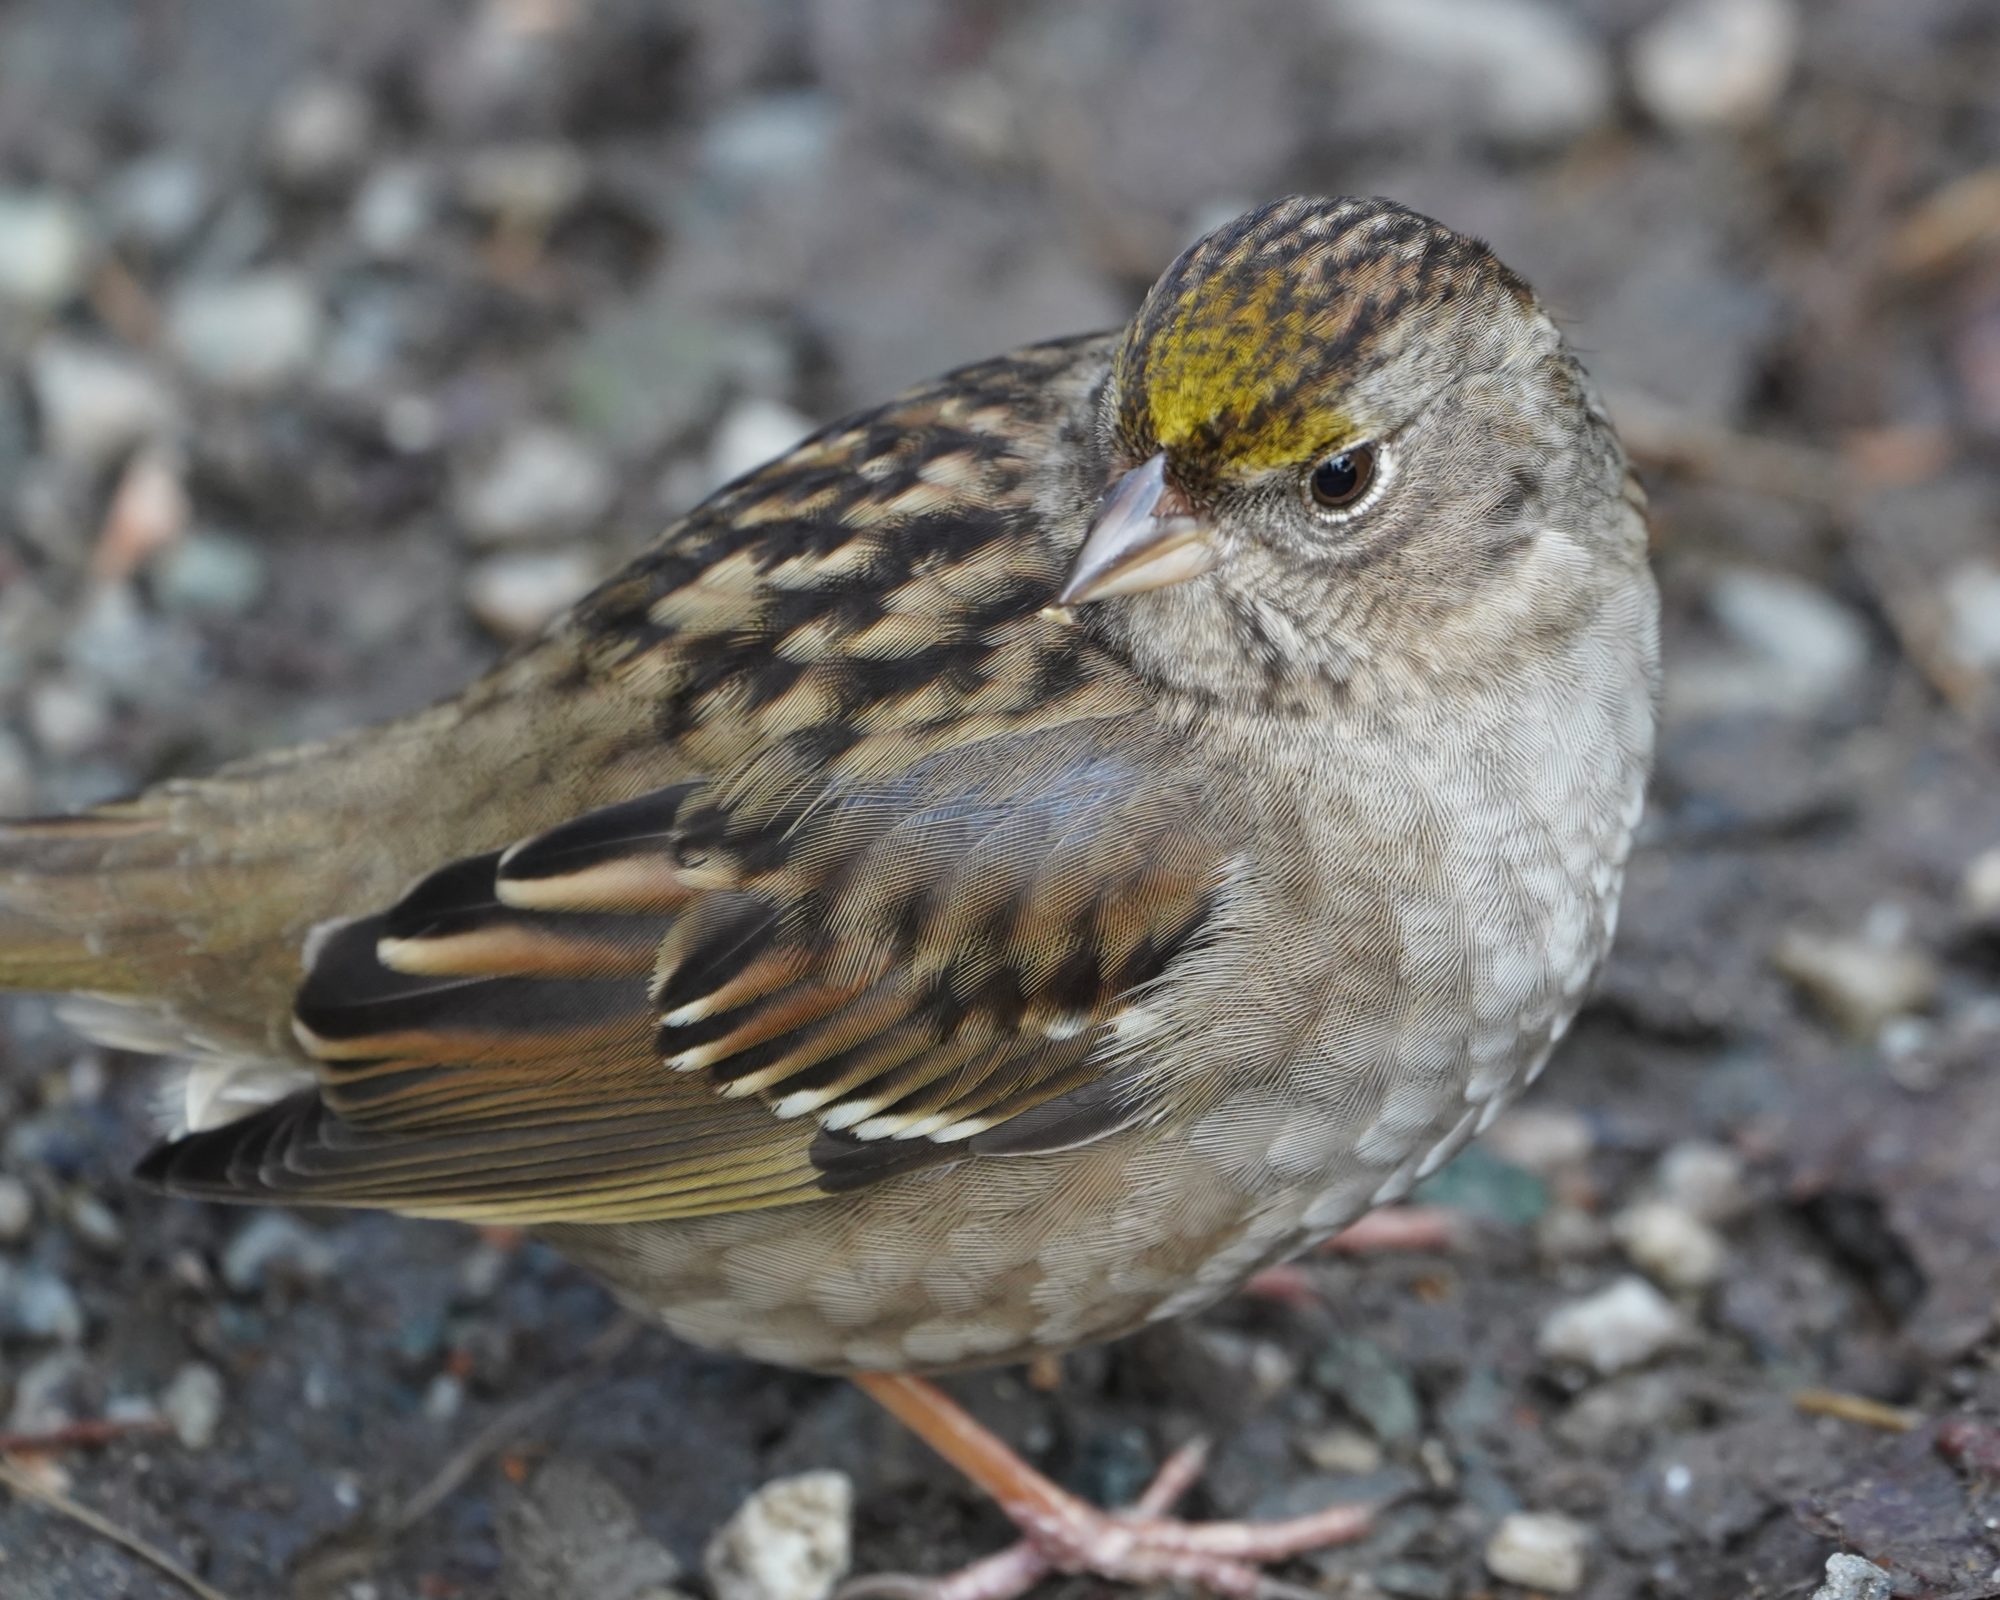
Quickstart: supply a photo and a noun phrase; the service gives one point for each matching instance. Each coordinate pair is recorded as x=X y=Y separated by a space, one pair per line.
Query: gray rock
x=770 y=138
x=570 y=1535
x=45 y=248
x=394 y=208
x=192 y=1404
x=1622 y=1326
x=51 y=1392
x=157 y=201
x=37 y=1304
x=1538 y=1550
x=1518 y=71
x=274 y=1243
x=1716 y=63
x=95 y=402
x=1373 y=1385
x=252 y=333
x=17 y=1209
x=541 y=480
x=1851 y=1578
x=210 y=574
x=95 y=1223
x=516 y=595
x=68 y=715
x=791 y=1540
x=1794 y=649
x=1543 y=1140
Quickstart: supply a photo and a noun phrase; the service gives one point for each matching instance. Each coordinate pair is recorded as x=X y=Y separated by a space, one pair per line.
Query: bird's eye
x=1341 y=480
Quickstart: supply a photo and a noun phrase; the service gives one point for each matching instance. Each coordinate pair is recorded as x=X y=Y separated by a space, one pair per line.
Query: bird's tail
x=79 y=900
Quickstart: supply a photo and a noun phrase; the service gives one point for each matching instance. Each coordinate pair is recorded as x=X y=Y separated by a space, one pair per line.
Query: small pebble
x=210 y=574
x=1570 y=1233
x=273 y=1241
x=1538 y=1550
x=1706 y=1180
x=96 y=1224
x=791 y=1540
x=39 y=1305
x=1622 y=1326
x=17 y=1209
x=393 y=209
x=1859 y=983
x=515 y=596
x=250 y=334
x=321 y=133
x=754 y=431
x=95 y=402
x=444 y=1399
x=1716 y=63
x=524 y=185
x=1670 y=1245
x=1348 y=1451
x=1545 y=1141
x=540 y=481
x=51 y=1392
x=1851 y=1578
x=68 y=715
x=1980 y=890
x=158 y=200
x=45 y=248
x=1972 y=613
x=192 y=1405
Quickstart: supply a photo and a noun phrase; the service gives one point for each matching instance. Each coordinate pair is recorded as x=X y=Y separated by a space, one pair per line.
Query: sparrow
x=995 y=877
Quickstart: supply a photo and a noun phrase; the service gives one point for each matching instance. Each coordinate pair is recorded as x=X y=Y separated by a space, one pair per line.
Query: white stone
x=192 y=1404
x=252 y=333
x=518 y=594
x=1981 y=888
x=273 y=1239
x=45 y=247
x=1716 y=63
x=17 y=1209
x=321 y=132
x=1622 y=1326
x=1542 y=1140
x=68 y=715
x=1972 y=607
x=95 y=402
x=1859 y=982
x=1538 y=1550
x=1671 y=1246
x=1523 y=71
x=1704 y=1179
x=527 y=184
x=393 y=208
x=1820 y=643
x=158 y=200
x=1849 y=1577
x=791 y=1540
x=539 y=481
x=754 y=431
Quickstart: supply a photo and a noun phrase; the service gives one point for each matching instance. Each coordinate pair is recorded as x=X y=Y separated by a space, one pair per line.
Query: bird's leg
x=1385 y=1232
x=1062 y=1533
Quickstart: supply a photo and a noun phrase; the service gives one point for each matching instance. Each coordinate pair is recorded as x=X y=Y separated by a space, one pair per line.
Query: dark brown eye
x=1343 y=478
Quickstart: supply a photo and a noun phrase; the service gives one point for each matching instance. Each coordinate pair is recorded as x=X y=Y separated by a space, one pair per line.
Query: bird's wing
x=715 y=997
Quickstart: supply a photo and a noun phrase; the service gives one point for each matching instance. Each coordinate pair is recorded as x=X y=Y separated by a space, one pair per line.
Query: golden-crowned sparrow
x=993 y=878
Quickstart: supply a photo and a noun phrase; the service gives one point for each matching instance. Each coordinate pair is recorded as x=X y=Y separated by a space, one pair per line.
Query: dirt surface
x=338 y=344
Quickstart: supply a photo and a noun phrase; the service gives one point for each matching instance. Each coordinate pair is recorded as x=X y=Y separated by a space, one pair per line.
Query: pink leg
x=1064 y=1534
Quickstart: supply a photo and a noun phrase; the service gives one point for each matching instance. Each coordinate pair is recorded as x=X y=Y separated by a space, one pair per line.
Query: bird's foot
x=1138 y=1544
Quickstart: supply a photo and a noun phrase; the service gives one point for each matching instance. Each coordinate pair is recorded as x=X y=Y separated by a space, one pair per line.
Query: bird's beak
x=1144 y=538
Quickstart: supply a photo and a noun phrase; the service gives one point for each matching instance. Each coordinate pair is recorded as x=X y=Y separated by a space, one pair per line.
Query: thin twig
x=490 y=1440
x=1854 y=1408
x=55 y=1500
x=78 y=1435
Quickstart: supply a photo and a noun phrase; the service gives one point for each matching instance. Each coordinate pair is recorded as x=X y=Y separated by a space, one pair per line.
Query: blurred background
x=341 y=346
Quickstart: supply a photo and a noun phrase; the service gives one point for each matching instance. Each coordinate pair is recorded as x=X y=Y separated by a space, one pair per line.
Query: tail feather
x=65 y=882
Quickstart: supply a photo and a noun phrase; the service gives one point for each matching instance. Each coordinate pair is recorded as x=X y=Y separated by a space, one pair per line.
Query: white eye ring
x=1346 y=482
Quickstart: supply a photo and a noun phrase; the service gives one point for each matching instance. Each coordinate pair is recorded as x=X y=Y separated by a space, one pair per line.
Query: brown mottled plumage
x=866 y=961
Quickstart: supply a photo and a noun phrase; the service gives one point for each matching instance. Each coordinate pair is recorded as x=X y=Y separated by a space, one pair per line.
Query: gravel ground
x=340 y=345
